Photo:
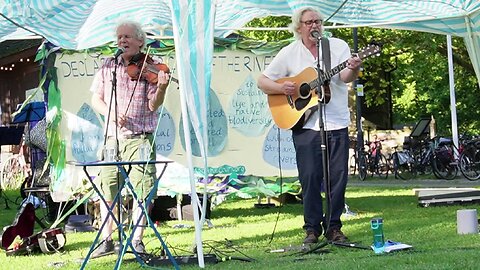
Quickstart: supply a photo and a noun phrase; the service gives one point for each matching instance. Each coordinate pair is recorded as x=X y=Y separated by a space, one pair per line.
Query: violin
x=147 y=67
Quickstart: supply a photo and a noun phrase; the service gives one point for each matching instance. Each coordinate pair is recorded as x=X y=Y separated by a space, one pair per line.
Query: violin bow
x=139 y=76
x=144 y=62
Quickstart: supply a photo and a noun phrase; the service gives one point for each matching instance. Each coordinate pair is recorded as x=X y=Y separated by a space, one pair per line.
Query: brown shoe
x=311 y=238
x=336 y=235
x=105 y=248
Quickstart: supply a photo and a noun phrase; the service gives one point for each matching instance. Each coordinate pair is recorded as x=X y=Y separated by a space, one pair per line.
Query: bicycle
x=371 y=162
x=377 y=163
x=444 y=162
x=403 y=164
x=423 y=157
x=14 y=171
x=358 y=161
x=469 y=160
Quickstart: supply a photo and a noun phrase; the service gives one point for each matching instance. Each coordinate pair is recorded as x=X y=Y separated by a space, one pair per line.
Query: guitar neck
x=326 y=76
x=370 y=51
x=334 y=71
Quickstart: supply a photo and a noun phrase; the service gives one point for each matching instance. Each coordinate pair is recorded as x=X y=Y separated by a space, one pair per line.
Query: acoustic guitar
x=288 y=110
x=47 y=241
x=22 y=226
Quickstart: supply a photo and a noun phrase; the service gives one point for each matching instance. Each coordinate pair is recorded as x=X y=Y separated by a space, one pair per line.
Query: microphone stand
x=114 y=91
x=117 y=152
x=323 y=144
x=323 y=135
x=114 y=100
x=325 y=158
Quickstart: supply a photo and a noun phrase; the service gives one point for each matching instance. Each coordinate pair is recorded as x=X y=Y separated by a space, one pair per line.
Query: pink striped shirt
x=139 y=117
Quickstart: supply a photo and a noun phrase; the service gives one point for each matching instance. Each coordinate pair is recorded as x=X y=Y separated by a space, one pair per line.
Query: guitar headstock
x=373 y=49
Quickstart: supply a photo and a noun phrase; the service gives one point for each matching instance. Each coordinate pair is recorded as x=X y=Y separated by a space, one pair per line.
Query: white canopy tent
x=78 y=24
x=81 y=24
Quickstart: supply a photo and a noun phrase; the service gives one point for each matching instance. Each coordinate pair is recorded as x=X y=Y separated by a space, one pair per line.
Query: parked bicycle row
x=438 y=156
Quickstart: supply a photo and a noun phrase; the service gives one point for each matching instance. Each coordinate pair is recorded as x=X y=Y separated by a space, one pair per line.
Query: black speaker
x=165 y=208
x=187 y=209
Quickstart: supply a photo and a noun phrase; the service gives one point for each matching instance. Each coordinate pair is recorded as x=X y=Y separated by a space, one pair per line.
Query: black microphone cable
x=224 y=255
x=281 y=187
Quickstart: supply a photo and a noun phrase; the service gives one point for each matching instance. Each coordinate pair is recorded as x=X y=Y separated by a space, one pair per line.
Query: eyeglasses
x=310 y=22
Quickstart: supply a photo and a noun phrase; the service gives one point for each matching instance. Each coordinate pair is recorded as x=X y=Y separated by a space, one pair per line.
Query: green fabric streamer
x=56 y=146
x=167 y=46
x=224 y=169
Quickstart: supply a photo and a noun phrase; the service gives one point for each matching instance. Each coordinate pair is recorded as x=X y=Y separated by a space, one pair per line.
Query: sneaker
x=311 y=238
x=336 y=235
x=105 y=248
x=139 y=246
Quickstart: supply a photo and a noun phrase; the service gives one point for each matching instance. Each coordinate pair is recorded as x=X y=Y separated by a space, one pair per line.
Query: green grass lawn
x=241 y=230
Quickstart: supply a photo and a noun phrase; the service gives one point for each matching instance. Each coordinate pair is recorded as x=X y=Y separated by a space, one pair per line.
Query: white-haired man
x=132 y=125
x=290 y=61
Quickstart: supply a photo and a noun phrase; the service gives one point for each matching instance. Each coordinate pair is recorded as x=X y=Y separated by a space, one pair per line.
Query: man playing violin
x=132 y=123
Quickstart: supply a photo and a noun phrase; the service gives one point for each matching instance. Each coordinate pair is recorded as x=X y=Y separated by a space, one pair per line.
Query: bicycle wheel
x=382 y=166
x=392 y=166
x=424 y=163
x=12 y=174
x=443 y=163
x=404 y=165
x=362 y=166
x=470 y=164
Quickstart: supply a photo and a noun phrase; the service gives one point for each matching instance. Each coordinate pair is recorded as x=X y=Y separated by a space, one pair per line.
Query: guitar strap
x=327 y=65
x=326 y=53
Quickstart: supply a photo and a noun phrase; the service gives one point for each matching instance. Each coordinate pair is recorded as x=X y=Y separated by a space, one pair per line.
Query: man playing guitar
x=290 y=61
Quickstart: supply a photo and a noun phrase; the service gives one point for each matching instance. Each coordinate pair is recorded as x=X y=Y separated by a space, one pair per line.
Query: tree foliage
x=269 y=22
x=413 y=66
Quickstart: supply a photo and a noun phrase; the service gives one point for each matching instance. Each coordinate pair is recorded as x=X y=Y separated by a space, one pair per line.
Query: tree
x=413 y=66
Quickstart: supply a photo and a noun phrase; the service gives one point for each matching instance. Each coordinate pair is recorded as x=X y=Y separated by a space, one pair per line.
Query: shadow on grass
x=429 y=230
x=404 y=219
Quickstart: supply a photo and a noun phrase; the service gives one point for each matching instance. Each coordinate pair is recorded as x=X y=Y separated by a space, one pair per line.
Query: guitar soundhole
x=302 y=103
x=304 y=91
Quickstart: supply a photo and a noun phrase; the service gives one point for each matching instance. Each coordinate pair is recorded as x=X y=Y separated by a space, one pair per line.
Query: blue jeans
x=310 y=172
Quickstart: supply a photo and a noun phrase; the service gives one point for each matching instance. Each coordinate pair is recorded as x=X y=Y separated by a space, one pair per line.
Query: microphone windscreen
x=315 y=34
x=120 y=50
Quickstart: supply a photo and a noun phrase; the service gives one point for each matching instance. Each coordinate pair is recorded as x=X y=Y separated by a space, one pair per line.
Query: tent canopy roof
x=80 y=24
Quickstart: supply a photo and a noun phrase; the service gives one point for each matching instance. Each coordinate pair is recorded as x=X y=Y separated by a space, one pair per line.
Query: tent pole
x=358 y=105
x=194 y=197
x=453 y=107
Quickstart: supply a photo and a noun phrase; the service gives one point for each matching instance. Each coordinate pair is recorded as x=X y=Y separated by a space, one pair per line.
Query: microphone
x=315 y=34
x=120 y=50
